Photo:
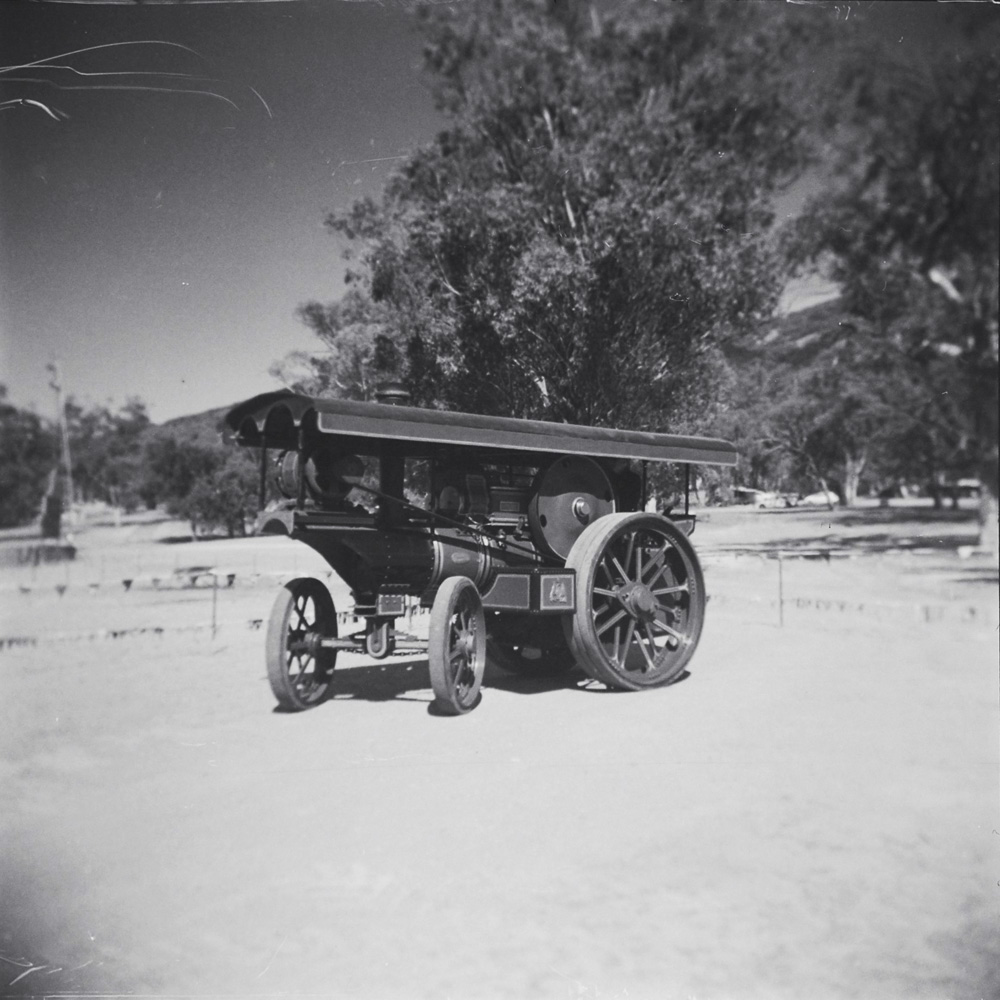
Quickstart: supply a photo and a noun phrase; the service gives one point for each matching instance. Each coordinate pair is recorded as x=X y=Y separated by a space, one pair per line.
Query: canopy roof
x=274 y=419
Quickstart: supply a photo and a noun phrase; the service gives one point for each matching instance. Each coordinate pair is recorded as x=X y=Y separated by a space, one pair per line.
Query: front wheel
x=298 y=667
x=640 y=601
x=456 y=648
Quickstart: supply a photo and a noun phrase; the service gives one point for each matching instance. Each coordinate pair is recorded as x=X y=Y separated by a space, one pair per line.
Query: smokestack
x=392 y=394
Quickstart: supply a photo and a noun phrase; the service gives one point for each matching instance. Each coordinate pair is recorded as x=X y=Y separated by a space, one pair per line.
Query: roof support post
x=301 y=500
x=262 y=494
x=392 y=474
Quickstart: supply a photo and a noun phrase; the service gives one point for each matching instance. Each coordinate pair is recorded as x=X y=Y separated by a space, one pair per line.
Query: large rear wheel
x=298 y=667
x=640 y=601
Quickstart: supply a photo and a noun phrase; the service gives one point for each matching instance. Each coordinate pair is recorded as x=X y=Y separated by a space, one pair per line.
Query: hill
x=197 y=428
x=796 y=338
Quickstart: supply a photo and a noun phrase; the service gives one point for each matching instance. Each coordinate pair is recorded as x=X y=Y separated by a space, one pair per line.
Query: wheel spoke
x=300 y=614
x=603 y=565
x=681 y=588
x=618 y=639
x=661 y=651
x=459 y=662
x=638 y=563
x=604 y=593
x=301 y=672
x=618 y=566
x=667 y=629
x=631 y=546
x=627 y=645
x=642 y=646
x=610 y=564
x=611 y=621
x=660 y=560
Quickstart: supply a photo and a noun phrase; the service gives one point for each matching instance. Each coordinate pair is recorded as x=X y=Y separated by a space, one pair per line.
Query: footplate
x=535 y=591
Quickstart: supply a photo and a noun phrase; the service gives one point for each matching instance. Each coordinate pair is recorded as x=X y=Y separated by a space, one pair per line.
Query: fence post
x=781 y=592
x=215 y=593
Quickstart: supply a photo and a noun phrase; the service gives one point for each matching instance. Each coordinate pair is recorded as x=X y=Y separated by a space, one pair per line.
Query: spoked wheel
x=456 y=649
x=640 y=601
x=298 y=668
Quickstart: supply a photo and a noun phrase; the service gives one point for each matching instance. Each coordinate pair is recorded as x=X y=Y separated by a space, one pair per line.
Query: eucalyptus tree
x=909 y=229
x=594 y=219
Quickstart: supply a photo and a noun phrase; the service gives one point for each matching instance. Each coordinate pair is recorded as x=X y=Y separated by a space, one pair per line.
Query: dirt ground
x=812 y=813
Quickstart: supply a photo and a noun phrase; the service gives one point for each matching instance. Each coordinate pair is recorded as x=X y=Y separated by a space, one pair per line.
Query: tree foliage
x=106 y=449
x=592 y=222
x=909 y=230
x=121 y=459
x=207 y=483
x=820 y=399
x=224 y=498
x=28 y=456
x=353 y=332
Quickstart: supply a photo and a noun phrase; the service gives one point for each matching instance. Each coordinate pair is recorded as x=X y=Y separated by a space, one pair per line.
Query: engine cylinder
x=457 y=553
x=414 y=560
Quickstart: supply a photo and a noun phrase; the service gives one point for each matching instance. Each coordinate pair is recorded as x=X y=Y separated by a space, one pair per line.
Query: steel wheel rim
x=464 y=650
x=307 y=673
x=643 y=605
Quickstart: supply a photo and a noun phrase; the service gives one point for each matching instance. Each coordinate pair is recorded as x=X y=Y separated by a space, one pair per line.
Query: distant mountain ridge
x=796 y=338
x=196 y=428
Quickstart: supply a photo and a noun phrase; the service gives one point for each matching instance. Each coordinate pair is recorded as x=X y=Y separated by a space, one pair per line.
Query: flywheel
x=568 y=495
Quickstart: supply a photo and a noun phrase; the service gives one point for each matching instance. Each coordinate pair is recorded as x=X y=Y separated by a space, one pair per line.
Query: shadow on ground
x=977 y=575
x=400 y=679
x=880 y=542
x=385 y=681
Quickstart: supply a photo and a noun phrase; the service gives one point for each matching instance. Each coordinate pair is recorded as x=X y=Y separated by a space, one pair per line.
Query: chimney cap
x=392 y=393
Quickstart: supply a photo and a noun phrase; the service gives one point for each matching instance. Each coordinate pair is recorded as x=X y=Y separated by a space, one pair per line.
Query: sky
x=157 y=244
x=156 y=241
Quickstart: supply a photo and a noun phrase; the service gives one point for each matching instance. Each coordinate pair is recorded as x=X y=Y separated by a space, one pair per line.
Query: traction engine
x=534 y=556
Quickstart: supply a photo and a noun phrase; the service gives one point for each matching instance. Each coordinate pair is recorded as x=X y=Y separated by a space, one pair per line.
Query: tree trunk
x=989 y=530
x=854 y=465
x=52 y=510
x=826 y=491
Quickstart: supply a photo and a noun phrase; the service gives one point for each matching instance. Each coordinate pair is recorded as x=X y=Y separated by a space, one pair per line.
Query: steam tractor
x=528 y=541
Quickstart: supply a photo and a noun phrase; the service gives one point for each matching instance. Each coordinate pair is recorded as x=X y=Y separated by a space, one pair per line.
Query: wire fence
x=783 y=605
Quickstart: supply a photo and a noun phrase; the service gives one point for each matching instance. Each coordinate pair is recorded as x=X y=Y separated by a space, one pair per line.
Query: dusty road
x=811 y=813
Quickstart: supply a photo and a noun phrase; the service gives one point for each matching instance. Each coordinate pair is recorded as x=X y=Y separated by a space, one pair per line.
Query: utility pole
x=67 y=463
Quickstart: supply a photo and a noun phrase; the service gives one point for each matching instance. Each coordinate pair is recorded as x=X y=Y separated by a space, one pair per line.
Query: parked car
x=780 y=501
x=750 y=496
x=764 y=499
x=821 y=499
x=768 y=500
